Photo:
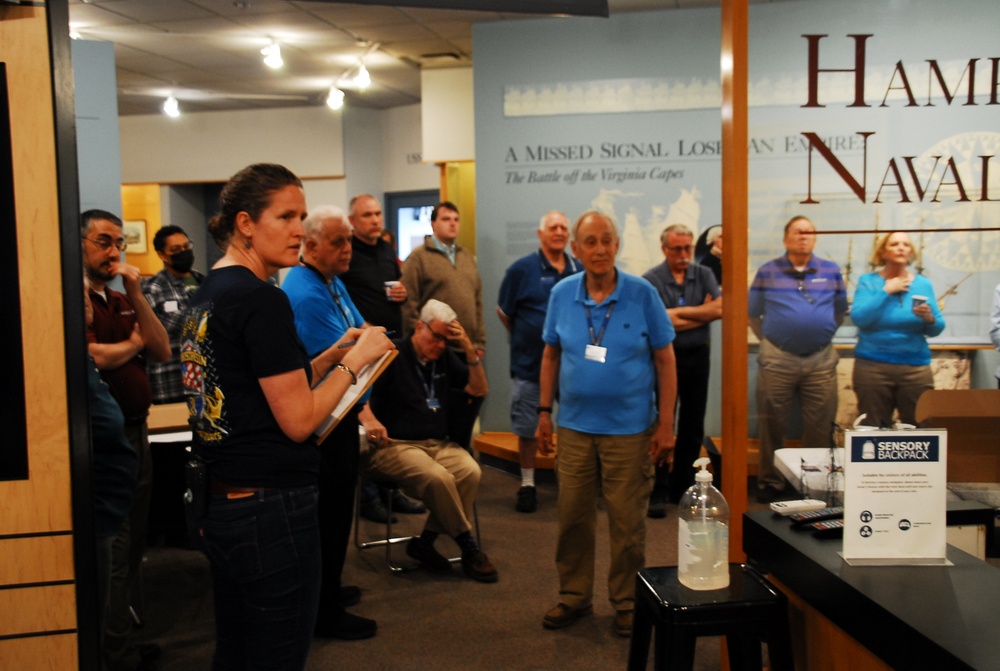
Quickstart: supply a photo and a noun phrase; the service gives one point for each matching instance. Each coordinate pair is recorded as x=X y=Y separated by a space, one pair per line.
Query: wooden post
x=734 y=262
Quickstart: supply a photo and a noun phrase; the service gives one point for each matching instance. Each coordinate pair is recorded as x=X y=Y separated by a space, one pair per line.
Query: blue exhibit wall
x=623 y=114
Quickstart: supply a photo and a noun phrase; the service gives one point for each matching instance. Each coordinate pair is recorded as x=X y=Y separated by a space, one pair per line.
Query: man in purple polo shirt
x=796 y=303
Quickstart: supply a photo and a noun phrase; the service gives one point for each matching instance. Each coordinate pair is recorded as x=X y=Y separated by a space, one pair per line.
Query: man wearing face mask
x=168 y=293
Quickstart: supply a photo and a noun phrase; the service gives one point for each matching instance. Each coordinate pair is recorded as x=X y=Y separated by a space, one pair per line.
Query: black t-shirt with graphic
x=240 y=329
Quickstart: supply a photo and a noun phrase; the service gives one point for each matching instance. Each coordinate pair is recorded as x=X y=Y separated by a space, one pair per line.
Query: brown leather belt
x=216 y=486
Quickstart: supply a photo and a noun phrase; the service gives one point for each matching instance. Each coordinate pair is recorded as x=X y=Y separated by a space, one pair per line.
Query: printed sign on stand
x=894 y=497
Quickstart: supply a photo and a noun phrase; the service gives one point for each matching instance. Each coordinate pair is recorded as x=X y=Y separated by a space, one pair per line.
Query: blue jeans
x=264 y=552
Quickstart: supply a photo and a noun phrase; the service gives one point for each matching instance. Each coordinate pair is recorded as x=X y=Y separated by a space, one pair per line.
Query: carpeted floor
x=431 y=622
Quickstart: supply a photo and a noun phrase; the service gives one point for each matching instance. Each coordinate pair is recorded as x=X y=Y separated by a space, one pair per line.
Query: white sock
x=527 y=477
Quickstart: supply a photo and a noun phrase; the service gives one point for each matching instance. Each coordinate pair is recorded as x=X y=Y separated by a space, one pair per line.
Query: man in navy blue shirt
x=524 y=298
x=796 y=303
x=693 y=300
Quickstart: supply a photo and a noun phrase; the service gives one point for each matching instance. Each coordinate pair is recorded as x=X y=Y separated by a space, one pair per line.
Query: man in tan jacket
x=446 y=271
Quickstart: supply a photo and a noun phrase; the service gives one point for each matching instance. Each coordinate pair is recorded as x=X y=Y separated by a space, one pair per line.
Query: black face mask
x=181 y=262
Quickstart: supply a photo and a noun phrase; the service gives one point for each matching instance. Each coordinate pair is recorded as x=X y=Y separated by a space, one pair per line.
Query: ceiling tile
x=208 y=51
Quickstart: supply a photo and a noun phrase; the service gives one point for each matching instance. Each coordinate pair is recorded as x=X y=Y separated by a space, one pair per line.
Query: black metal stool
x=747 y=612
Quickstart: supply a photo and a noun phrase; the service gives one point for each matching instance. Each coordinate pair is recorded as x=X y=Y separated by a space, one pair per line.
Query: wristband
x=544 y=408
x=346 y=369
x=474 y=363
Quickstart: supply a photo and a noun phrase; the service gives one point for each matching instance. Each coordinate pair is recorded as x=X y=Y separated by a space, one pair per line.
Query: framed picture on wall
x=135 y=235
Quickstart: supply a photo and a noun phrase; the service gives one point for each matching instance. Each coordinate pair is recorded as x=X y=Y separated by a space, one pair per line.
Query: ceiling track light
x=272 y=55
x=171 y=108
x=362 y=80
x=335 y=99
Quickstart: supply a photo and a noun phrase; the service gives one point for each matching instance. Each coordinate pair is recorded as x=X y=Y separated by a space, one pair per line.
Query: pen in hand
x=354 y=342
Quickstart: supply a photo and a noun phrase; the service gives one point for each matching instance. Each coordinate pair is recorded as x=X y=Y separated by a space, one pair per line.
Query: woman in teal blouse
x=895 y=312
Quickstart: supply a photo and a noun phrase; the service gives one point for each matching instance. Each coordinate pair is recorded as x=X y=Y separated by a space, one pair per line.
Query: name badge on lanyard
x=594 y=351
x=433 y=403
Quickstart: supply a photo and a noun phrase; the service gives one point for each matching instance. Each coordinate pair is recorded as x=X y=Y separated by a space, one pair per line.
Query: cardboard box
x=972 y=418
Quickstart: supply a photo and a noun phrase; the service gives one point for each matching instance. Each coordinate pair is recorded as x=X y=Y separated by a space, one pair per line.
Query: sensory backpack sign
x=894 y=496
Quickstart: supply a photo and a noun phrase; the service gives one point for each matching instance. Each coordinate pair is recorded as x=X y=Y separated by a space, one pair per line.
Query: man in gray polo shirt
x=693 y=300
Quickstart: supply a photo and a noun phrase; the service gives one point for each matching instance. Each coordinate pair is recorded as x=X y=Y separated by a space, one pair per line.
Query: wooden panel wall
x=37 y=589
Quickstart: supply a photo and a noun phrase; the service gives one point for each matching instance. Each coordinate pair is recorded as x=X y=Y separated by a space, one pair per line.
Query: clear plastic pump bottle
x=703 y=534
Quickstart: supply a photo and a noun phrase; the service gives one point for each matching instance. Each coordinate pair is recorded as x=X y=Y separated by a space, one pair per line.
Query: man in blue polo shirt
x=524 y=297
x=323 y=313
x=608 y=342
x=796 y=303
x=693 y=301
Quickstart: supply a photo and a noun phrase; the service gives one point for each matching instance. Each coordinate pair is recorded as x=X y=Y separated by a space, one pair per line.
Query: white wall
x=337 y=154
x=403 y=152
x=448 y=115
x=212 y=146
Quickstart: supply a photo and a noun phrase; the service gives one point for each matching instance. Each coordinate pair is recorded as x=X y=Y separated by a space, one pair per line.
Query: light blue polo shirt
x=616 y=397
x=323 y=311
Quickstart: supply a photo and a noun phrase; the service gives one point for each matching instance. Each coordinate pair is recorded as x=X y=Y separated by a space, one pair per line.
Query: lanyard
x=335 y=296
x=429 y=389
x=596 y=340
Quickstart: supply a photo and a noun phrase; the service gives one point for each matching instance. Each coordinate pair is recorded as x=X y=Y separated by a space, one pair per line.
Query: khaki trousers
x=621 y=465
x=882 y=388
x=442 y=474
x=781 y=378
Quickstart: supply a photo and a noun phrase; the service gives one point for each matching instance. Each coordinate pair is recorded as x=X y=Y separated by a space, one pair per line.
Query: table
x=899 y=617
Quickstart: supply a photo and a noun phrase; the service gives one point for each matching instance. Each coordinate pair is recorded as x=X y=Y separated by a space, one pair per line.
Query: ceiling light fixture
x=171 y=108
x=272 y=55
x=335 y=99
x=362 y=79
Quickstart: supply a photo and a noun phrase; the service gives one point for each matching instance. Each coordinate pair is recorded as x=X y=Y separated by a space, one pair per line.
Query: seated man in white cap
x=411 y=445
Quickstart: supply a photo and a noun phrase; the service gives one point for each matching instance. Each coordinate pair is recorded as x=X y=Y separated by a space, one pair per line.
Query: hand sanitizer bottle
x=703 y=534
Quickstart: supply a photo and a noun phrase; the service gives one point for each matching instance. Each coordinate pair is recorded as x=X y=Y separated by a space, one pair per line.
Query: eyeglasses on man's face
x=437 y=336
x=177 y=249
x=679 y=249
x=104 y=243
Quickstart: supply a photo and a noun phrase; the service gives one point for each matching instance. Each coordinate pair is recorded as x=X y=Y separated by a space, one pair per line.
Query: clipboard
x=366 y=377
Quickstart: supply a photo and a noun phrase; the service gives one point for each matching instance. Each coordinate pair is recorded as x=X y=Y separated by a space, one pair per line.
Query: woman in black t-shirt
x=255 y=400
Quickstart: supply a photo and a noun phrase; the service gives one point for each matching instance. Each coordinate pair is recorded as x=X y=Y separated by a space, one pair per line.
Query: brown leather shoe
x=479 y=567
x=563 y=615
x=623 y=623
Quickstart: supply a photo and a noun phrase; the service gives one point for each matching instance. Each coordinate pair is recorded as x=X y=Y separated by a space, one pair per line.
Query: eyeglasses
x=437 y=336
x=680 y=248
x=105 y=243
x=176 y=249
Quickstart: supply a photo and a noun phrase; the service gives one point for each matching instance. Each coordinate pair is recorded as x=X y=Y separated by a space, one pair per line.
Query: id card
x=434 y=404
x=596 y=353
